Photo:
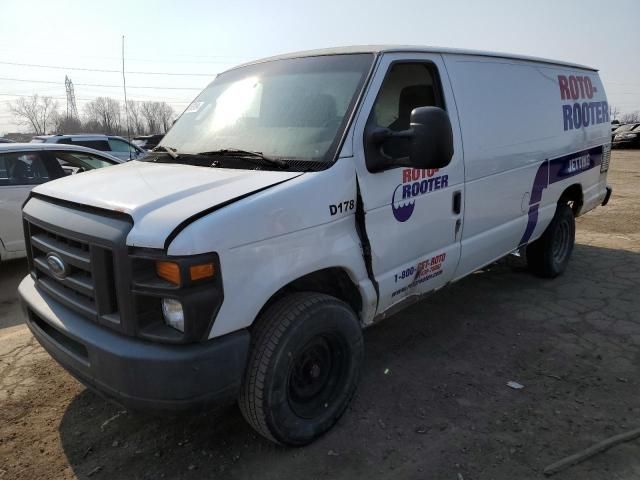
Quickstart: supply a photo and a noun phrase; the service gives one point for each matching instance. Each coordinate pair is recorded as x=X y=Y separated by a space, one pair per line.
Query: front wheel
x=549 y=256
x=303 y=367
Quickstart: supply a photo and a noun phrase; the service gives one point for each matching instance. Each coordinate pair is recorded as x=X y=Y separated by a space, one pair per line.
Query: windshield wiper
x=170 y=151
x=245 y=154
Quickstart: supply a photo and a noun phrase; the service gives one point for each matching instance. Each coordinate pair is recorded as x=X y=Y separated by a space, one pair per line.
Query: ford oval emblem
x=57 y=265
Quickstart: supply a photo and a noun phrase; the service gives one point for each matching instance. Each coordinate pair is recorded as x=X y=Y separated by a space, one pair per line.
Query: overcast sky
x=205 y=37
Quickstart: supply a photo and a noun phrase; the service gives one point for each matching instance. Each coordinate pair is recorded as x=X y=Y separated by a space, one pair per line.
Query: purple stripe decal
x=556 y=170
x=539 y=183
x=571 y=165
x=531 y=224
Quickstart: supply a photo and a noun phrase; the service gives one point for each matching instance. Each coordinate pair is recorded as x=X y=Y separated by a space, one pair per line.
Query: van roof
x=413 y=48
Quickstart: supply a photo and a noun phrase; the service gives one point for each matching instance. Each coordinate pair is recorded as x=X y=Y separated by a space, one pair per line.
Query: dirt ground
x=433 y=402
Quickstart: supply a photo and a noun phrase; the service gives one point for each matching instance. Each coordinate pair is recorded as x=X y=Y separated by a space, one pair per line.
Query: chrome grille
x=76 y=289
x=78 y=257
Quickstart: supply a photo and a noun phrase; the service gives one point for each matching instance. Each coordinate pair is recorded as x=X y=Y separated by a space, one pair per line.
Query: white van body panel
x=286 y=232
x=511 y=116
x=401 y=246
x=160 y=196
x=595 y=193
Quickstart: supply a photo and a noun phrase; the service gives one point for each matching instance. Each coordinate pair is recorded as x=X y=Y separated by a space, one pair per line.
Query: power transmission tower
x=72 y=110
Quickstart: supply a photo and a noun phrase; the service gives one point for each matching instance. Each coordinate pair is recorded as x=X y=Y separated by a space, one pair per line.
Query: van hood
x=159 y=197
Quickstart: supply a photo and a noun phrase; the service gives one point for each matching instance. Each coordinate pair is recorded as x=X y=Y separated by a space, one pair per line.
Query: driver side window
x=406 y=86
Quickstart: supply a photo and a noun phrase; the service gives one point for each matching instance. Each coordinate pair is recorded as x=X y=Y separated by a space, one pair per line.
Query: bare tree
x=150 y=112
x=613 y=112
x=104 y=111
x=113 y=109
x=136 y=119
x=631 y=117
x=68 y=124
x=36 y=112
x=158 y=115
x=92 y=111
x=167 y=115
x=91 y=126
x=101 y=115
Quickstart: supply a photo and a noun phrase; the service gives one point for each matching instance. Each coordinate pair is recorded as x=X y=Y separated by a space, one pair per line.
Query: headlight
x=177 y=297
x=173 y=313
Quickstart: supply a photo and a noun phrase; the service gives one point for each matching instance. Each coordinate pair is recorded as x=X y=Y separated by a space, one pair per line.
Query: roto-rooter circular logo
x=415 y=182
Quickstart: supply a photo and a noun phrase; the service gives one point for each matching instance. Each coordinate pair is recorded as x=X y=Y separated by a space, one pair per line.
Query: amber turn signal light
x=199 y=272
x=169 y=271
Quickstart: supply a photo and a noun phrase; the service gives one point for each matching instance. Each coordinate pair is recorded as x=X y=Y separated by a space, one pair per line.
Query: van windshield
x=291 y=109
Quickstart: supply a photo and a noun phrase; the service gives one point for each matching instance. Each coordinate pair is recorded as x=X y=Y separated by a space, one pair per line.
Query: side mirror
x=432 y=141
x=429 y=141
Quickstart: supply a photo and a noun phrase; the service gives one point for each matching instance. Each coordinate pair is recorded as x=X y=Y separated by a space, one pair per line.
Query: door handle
x=457 y=229
x=457 y=202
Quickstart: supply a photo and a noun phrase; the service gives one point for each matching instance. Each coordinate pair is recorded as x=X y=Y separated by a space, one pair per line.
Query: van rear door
x=413 y=217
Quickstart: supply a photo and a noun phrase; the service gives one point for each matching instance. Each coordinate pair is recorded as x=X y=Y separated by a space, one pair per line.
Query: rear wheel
x=303 y=367
x=549 y=256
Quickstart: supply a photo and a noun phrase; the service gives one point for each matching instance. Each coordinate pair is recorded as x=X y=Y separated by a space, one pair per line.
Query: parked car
x=298 y=200
x=148 y=142
x=116 y=146
x=615 y=124
x=25 y=165
x=627 y=136
x=5 y=140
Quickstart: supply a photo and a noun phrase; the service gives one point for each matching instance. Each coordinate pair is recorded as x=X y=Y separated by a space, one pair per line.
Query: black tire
x=303 y=369
x=549 y=256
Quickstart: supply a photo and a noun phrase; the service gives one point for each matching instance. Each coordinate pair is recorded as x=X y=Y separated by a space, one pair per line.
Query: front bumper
x=137 y=374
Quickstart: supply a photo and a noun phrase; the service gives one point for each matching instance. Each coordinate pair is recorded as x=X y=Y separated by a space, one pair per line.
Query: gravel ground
x=433 y=402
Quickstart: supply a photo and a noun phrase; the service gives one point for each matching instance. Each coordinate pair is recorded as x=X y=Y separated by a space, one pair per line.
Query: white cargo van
x=296 y=201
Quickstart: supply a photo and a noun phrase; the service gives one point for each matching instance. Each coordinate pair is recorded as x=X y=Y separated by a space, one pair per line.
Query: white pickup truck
x=298 y=200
